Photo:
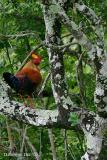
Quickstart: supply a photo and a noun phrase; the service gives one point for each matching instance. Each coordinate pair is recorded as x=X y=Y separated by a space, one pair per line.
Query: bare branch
x=6 y=37
x=23 y=139
x=51 y=137
x=12 y=145
x=92 y=17
x=80 y=80
x=35 y=153
x=44 y=84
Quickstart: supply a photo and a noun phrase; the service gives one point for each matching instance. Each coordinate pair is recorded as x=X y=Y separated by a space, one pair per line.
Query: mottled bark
x=36 y=117
x=59 y=86
x=92 y=124
x=99 y=58
x=18 y=111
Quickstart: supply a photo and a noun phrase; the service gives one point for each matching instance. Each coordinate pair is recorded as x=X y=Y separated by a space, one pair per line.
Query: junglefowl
x=27 y=79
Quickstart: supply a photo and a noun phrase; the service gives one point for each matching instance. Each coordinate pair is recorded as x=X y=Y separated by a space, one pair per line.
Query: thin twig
x=67 y=35
x=23 y=139
x=49 y=130
x=52 y=144
x=23 y=34
x=79 y=70
x=6 y=37
x=71 y=152
x=35 y=153
x=8 y=56
x=65 y=143
x=12 y=145
x=44 y=84
x=40 y=148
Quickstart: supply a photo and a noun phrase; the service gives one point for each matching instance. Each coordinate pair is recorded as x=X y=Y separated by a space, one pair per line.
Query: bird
x=26 y=80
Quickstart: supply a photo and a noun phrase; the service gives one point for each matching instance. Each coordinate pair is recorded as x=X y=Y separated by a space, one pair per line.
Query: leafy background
x=23 y=16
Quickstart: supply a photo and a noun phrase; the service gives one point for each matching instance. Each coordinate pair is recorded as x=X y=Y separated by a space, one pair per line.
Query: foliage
x=73 y=119
x=23 y=16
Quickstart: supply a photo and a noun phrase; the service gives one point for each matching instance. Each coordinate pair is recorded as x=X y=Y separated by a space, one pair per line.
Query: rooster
x=27 y=79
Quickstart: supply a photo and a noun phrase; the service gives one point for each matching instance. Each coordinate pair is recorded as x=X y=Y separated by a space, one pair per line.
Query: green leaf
x=73 y=119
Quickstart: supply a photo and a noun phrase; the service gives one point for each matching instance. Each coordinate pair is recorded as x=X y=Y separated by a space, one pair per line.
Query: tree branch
x=91 y=17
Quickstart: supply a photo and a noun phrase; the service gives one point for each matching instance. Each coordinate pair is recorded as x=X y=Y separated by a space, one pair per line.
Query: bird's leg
x=30 y=100
x=21 y=97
